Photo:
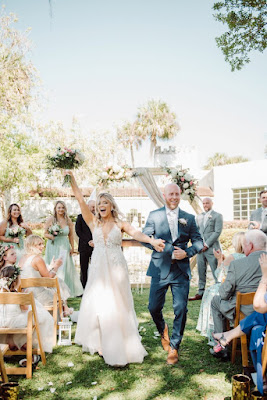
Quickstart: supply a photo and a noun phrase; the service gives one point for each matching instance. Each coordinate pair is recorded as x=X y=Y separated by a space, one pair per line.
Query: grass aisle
x=197 y=376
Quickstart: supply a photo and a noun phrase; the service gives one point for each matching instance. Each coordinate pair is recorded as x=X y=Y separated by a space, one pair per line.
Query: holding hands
x=158 y=244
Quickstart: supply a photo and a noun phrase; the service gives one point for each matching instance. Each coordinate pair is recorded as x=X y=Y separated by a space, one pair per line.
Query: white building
x=236 y=188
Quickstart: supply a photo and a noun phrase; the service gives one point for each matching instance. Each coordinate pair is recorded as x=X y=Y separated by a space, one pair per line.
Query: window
x=245 y=201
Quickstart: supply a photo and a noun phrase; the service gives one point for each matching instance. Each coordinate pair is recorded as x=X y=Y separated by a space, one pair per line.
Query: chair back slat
x=38 y=282
x=16 y=298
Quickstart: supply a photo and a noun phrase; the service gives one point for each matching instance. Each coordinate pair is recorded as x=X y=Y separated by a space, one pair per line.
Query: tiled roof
x=116 y=192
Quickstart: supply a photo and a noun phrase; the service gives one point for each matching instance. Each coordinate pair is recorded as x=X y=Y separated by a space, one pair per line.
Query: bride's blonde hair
x=116 y=213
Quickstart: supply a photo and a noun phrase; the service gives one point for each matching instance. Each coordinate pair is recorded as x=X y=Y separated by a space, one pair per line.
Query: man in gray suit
x=258 y=217
x=210 y=225
x=243 y=276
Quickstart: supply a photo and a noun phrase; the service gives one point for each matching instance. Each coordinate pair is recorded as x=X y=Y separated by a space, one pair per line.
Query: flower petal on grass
x=93 y=383
x=70 y=364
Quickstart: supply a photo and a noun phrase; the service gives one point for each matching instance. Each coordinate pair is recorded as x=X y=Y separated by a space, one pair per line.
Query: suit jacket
x=243 y=276
x=256 y=215
x=212 y=230
x=84 y=233
x=158 y=226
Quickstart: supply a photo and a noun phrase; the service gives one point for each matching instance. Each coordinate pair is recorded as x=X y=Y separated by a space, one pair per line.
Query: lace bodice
x=112 y=240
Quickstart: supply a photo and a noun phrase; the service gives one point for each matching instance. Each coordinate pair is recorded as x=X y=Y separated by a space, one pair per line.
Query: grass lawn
x=197 y=375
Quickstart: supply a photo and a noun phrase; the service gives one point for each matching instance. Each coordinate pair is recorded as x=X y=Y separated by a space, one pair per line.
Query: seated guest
x=16 y=316
x=243 y=276
x=33 y=266
x=255 y=324
x=205 y=320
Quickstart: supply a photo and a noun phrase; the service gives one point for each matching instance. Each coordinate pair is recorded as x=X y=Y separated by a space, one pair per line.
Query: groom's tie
x=173 y=225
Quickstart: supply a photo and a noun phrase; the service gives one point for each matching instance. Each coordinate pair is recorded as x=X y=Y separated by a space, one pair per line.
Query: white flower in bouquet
x=79 y=157
x=104 y=175
x=188 y=177
x=180 y=173
x=185 y=185
x=116 y=168
x=185 y=196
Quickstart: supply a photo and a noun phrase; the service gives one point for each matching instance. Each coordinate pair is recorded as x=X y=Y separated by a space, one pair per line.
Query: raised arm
x=259 y=302
x=71 y=237
x=39 y=265
x=88 y=216
x=157 y=244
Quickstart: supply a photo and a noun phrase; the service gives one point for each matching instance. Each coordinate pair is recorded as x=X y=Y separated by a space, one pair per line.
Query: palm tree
x=223 y=159
x=156 y=121
x=130 y=137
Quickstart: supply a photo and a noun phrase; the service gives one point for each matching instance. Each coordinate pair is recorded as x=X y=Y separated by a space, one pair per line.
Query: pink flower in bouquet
x=191 y=182
x=182 y=179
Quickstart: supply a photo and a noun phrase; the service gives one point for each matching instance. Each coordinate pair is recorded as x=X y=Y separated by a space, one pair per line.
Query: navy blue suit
x=166 y=272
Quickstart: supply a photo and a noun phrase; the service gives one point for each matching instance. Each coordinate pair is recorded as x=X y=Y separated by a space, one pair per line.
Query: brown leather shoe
x=165 y=340
x=172 y=356
x=196 y=297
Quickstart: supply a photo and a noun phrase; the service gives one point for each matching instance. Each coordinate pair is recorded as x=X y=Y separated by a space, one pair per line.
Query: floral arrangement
x=184 y=180
x=65 y=158
x=16 y=231
x=5 y=282
x=55 y=230
x=114 y=173
x=4 y=248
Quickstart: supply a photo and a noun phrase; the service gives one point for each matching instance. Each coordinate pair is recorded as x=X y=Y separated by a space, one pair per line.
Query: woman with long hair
x=59 y=231
x=107 y=322
x=13 y=228
x=205 y=323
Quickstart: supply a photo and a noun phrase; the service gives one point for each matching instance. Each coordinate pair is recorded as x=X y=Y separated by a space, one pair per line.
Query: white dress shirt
x=172 y=217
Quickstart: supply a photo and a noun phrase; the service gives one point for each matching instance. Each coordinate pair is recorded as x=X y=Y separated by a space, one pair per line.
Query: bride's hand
x=68 y=172
x=158 y=244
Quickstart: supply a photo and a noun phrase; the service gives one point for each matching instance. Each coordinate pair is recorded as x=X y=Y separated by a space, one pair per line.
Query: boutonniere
x=182 y=221
x=210 y=217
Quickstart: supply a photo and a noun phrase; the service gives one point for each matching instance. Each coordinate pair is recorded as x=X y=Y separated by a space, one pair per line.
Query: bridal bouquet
x=65 y=158
x=55 y=230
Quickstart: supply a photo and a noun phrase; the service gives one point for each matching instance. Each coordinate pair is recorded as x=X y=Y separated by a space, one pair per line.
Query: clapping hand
x=158 y=244
x=263 y=264
x=218 y=254
x=55 y=264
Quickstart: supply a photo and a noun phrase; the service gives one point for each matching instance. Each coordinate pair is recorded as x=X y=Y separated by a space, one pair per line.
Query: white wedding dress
x=107 y=321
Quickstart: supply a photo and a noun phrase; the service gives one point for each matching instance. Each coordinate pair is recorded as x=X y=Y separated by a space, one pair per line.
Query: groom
x=171 y=268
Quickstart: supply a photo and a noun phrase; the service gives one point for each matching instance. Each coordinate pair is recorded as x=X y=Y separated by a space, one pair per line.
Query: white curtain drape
x=148 y=184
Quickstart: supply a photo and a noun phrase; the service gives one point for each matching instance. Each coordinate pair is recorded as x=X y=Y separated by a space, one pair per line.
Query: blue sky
x=100 y=60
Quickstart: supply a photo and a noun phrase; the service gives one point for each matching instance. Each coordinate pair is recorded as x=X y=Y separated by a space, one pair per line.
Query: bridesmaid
x=14 y=223
x=63 y=240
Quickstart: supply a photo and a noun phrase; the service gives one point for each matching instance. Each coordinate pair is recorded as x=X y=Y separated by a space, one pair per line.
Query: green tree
x=156 y=121
x=18 y=92
x=129 y=136
x=246 y=29
x=219 y=159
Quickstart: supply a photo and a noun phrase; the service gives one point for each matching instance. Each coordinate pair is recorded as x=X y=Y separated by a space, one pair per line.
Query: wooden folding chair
x=32 y=326
x=3 y=350
x=56 y=307
x=264 y=355
x=242 y=299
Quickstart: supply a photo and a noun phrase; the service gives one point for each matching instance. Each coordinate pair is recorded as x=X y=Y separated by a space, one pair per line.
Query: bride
x=107 y=321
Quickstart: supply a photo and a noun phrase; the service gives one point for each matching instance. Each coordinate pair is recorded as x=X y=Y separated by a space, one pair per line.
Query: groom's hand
x=179 y=254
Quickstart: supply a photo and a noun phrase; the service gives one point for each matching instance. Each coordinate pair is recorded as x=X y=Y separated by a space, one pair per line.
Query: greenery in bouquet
x=16 y=231
x=114 y=173
x=55 y=230
x=65 y=158
x=184 y=180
